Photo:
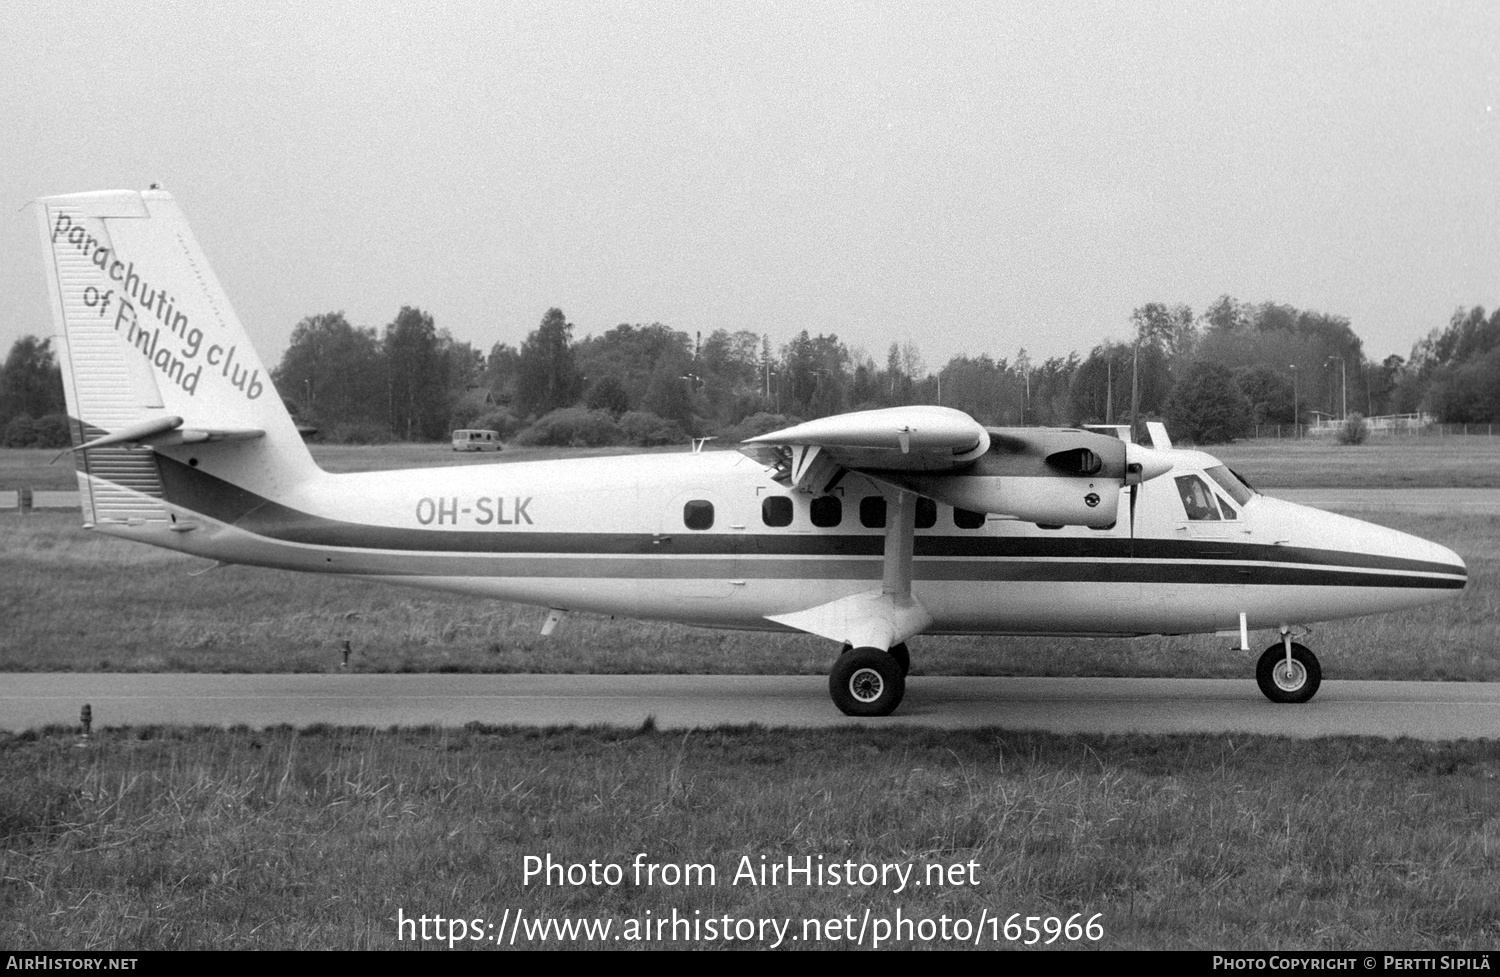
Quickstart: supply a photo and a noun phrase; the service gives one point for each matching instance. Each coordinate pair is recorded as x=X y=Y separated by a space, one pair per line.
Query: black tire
x=866 y=682
x=903 y=657
x=1279 y=684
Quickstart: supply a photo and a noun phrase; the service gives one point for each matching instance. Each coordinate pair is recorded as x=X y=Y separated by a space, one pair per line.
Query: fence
x=1427 y=429
x=26 y=500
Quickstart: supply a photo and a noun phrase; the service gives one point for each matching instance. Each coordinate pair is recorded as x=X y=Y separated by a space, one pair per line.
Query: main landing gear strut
x=869 y=677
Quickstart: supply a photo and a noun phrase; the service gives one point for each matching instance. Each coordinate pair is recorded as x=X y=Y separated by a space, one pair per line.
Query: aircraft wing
x=911 y=439
x=1055 y=476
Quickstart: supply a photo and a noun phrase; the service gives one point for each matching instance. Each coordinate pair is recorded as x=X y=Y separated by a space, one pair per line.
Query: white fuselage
x=691 y=537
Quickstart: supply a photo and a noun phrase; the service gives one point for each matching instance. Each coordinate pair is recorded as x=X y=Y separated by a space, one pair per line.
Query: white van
x=476 y=440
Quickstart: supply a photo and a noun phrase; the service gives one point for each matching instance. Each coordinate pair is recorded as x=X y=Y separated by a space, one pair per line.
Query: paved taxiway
x=1422 y=710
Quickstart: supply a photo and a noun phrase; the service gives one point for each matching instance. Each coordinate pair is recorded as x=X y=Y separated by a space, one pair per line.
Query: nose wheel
x=1288 y=672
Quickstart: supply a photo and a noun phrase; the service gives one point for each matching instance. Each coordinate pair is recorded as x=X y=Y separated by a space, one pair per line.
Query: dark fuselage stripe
x=686 y=553
x=783 y=568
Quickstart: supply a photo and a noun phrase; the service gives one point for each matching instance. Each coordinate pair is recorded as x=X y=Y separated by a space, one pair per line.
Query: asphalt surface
x=1421 y=710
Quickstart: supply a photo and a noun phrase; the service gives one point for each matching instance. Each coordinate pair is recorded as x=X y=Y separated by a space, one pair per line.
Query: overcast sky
x=973 y=177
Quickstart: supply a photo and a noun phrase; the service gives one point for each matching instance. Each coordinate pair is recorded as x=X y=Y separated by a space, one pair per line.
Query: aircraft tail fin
x=155 y=362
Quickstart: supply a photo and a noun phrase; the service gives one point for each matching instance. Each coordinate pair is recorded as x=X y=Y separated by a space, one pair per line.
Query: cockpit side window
x=1197 y=498
x=1231 y=483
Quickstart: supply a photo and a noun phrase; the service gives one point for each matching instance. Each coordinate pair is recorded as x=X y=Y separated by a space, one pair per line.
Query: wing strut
x=875 y=618
x=900 y=543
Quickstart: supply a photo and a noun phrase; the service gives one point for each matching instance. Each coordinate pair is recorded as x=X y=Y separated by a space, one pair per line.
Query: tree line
x=1211 y=375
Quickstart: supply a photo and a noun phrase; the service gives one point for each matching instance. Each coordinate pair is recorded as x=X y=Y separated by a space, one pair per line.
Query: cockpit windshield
x=1231 y=483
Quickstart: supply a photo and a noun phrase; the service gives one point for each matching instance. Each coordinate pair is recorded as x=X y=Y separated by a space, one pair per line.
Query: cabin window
x=1197 y=499
x=826 y=511
x=776 y=511
x=964 y=519
x=926 y=513
x=698 y=514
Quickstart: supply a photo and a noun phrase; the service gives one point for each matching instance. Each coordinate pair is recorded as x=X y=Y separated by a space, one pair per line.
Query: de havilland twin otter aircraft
x=867 y=528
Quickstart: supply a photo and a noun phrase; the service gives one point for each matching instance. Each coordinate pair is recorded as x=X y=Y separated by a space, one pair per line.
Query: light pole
x=1296 y=420
x=1135 y=387
x=1109 y=388
x=1344 y=385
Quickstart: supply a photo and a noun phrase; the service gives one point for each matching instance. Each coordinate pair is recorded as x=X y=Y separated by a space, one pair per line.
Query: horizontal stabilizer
x=164 y=432
x=130 y=434
x=202 y=435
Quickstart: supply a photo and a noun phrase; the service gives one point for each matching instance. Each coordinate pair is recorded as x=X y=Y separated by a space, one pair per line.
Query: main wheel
x=1281 y=681
x=902 y=656
x=866 y=682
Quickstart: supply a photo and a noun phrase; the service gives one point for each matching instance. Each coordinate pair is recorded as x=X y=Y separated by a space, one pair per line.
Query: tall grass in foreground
x=75 y=601
x=221 y=839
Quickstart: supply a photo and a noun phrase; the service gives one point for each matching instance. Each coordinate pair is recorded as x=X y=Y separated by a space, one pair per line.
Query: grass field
x=230 y=839
x=1436 y=462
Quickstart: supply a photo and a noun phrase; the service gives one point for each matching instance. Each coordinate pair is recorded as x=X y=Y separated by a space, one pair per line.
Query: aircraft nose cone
x=1445 y=555
x=1439 y=558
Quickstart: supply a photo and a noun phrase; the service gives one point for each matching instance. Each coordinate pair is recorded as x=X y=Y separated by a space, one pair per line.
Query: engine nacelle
x=1045 y=500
